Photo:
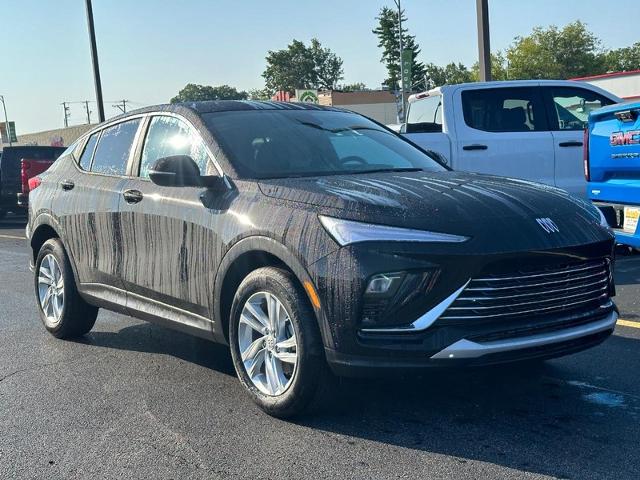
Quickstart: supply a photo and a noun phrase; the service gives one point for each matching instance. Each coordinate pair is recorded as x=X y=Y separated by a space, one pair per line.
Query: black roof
x=231 y=105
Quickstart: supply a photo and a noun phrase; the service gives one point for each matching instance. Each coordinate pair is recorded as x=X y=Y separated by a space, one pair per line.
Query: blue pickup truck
x=612 y=167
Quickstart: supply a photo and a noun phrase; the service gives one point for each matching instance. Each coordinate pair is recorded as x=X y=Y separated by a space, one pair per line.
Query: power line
x=121 y=105
x=86 y=107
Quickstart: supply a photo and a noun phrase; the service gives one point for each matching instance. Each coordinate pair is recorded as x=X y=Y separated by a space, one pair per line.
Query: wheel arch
x=45 y=228
x=245 y=256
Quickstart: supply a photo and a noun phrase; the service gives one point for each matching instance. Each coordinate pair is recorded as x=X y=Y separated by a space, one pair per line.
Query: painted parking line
x=13 y=237
x=628 y=323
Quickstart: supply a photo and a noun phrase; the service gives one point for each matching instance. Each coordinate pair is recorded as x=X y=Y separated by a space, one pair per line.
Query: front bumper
x=446 y=332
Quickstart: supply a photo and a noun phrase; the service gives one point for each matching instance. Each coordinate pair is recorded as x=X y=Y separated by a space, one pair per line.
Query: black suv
x=312 y=241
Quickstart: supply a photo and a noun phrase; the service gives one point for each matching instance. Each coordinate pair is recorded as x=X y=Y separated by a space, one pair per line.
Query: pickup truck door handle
x=475 y=146
x=67 y=185
x=573 y=143
x=132 y=196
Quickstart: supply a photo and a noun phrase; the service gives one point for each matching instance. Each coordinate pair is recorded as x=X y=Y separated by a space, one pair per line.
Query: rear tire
x=62 y=311
x=279 y=386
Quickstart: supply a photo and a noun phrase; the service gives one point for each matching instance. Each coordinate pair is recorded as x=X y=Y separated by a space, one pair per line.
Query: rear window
x=295 y=143
x=112 y=153
x=504 y=109
x=425 y=115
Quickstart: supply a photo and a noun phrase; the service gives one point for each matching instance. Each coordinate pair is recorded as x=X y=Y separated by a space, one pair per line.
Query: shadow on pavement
x=150 y=338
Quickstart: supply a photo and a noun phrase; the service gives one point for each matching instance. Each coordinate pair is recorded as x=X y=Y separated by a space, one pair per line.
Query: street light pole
x=6 y=119
x=94 y=60
x=402 y=85
x=484 y=47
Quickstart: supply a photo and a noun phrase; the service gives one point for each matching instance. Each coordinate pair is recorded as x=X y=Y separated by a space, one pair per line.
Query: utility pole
x=94 y=60
x=86 y=107
x=484 y=47
x=402 y=85
x=122 y=106
x=65 y=108
x=6 y=121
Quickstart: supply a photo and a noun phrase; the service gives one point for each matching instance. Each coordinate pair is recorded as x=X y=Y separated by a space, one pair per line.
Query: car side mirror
x=182 y=171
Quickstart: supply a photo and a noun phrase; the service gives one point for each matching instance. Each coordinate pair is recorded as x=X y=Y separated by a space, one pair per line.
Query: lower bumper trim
x=466 y=349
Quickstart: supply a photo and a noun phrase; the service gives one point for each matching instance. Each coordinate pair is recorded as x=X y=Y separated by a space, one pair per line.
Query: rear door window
x=113 y=150
x=570 y=106
x=87 y=154
x=425 y=115
x=504 y=109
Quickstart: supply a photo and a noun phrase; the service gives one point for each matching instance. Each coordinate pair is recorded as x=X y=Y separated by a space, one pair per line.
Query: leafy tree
x=259 y=94
x=352 y=87
x=623 y=59
x=499 y=70
x=448 y=75
x=195 y=93
x=299 y=66
x=572 y=51
x=388 y=33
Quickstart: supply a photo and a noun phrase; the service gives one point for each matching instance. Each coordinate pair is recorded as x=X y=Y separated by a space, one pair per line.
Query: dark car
x=12 y=172
x=314 y=242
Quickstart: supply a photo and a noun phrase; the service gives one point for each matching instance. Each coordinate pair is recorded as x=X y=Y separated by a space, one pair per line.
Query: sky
x=150 y=49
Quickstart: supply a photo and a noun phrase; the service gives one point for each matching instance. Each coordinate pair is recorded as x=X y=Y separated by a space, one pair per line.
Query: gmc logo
x=632 y=137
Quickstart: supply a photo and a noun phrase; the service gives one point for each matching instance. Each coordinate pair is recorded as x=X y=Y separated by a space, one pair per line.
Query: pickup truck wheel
x=275 y=343
x=62 y=311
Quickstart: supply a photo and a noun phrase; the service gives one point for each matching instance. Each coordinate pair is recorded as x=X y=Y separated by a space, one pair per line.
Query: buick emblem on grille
x=548 y=225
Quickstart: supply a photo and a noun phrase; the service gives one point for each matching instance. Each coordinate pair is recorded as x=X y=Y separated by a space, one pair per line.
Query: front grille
x=563 y=289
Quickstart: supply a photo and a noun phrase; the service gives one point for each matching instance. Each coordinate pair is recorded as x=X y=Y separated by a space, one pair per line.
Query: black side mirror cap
x=183 y=171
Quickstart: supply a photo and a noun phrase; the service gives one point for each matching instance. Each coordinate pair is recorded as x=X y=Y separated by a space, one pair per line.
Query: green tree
x=623 y=59
x=450 y=74
x=499 y=68
x=195 y=93
x=353 y=87
x=572 y=51
x=259 y=94
x=299 y=66
x=388 y=33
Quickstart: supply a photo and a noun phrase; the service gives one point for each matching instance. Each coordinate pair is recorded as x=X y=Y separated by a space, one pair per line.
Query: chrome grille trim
x=511 y=296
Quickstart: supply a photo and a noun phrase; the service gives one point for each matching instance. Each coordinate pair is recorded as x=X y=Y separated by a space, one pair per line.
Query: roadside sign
x=11 y=133
x=407 y=62
x=307 y=96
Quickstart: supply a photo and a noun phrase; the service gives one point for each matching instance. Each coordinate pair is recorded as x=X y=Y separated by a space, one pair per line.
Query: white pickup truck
x=529 y=129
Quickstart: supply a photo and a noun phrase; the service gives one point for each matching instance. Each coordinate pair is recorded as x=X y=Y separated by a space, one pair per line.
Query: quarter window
x=87 y=154
x=503 y=109
x=114 y=147
x=168 y=136
x=571 y=107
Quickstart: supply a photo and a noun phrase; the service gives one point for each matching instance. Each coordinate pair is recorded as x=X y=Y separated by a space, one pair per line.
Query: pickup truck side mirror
x=183 y=171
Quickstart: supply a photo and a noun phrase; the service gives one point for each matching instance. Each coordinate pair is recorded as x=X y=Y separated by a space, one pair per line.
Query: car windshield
x=299 y=143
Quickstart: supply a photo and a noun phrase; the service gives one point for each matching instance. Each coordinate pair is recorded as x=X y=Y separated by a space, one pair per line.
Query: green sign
x=11 y=131
x=407 y=62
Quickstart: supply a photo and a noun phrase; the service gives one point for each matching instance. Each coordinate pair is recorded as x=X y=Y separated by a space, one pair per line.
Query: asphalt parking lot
x=133 y=400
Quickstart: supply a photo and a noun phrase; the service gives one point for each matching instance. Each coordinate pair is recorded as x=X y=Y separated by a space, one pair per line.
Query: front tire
x=62 y=311
x=275 y=343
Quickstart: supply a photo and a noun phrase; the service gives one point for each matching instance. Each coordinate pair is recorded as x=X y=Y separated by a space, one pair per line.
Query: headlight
x=346 y=232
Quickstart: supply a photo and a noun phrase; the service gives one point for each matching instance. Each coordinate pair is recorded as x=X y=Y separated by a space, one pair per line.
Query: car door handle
x=132 y=196
x=67 y=185
x=474 y=147
x=573 y=143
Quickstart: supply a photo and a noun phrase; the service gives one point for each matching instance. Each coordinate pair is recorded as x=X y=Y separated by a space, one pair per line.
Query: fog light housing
x=384 y=284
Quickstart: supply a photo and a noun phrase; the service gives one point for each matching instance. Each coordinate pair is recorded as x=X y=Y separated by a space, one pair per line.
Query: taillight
x=34 y=182
x=25 y=165
x=585 y=154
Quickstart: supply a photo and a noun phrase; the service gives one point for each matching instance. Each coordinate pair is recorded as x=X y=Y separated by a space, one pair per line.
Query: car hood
x=453 y=202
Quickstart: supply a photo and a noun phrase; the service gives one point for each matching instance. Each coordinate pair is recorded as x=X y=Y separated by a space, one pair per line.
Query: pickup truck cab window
x=504 y=109
x=570 y=107
x=425 y=115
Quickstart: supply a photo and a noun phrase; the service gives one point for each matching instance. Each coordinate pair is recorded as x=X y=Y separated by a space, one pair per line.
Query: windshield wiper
x=379 y=170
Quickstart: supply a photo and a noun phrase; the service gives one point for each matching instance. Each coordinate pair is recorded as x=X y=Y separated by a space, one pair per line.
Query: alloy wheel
x=51 y=289
x=267 y=343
